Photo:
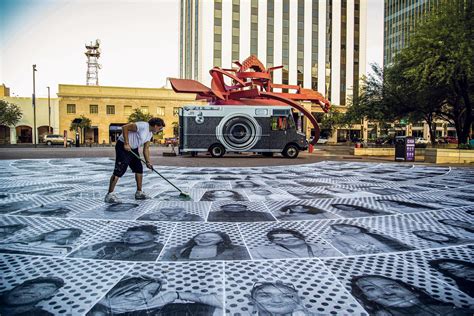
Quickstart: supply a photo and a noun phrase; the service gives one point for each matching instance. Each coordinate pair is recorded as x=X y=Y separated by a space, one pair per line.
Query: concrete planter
x=437 y=155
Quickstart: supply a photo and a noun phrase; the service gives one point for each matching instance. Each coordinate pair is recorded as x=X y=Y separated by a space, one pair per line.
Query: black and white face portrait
x=8 y=230
x=173 y=214
x=435 y=237
x=467 y=198
x=349 y=210
x=23 y=298
x=312 y=184
x=308 y=195
x=172 y=195
x=300 y=212
x=58 y=209
x=462 y=272
x=120 y=207
x=404 y=206
x=463 y=225
x=246 y=185
x=222 y=195
x=137 y=243
x=276 y=299
x=16 y=206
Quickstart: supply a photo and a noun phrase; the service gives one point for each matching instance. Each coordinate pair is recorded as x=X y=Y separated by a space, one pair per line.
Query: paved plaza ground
x=316 y=237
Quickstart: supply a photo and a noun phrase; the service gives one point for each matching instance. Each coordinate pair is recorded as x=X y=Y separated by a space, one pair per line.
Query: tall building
x=401 y=18
x=320 y=43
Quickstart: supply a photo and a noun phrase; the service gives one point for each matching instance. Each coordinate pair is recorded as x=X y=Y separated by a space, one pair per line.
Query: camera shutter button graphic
x=199 y=118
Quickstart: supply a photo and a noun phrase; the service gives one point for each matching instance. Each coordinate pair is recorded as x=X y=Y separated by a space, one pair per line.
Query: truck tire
x=217 y=150
x=49 y=143
x=291 y=151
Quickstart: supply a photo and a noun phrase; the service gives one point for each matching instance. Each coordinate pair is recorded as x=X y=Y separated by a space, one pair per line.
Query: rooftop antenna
x=93 y=66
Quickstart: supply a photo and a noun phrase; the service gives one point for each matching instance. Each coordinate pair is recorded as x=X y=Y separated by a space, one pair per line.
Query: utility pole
x=34 y=107
x=49 y=114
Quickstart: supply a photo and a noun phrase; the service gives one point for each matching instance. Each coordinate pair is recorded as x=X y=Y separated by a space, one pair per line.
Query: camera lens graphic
x=238 y=132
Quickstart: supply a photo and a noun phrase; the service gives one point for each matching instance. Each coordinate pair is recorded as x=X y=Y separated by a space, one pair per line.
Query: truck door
x=281 y=121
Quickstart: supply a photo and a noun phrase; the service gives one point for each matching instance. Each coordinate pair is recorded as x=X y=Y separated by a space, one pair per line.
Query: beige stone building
x=109 y=108
x=22 y=132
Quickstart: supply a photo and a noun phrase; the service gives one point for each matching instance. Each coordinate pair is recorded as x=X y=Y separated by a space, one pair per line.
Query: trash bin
x=404 y=148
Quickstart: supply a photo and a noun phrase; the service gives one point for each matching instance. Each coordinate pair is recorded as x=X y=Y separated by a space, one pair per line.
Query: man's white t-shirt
x=140 y=137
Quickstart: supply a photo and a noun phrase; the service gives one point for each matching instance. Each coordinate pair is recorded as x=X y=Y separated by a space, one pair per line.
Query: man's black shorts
x=123 y=159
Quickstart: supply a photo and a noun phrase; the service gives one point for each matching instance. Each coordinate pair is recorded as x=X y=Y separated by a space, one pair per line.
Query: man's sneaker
x=112 y=198
x=140 y=195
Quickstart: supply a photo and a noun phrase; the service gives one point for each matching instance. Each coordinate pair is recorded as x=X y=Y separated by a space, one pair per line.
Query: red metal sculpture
x=251 y=84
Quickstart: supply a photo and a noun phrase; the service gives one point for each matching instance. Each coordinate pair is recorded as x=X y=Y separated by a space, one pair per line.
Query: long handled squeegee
x=181 y=193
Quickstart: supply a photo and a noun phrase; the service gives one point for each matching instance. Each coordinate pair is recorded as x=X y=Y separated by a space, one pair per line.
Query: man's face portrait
x=234 y=208
x=137 y=237
x=127 y=299
x=30 y=293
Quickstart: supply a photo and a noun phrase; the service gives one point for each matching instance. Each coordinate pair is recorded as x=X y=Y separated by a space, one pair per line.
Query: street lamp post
x=49 y=114
x=34 y=106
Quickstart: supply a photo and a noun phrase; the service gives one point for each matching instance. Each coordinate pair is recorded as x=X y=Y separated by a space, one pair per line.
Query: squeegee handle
x=152 y=168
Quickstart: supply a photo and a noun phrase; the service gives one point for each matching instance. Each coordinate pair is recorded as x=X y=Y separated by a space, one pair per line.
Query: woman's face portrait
x=30 y=293
x=387 y=293
x=346 y=229
x=246 y=184
x=57 y=235
x=221 y=194
x=129 y=297
x=298 y=208
x=458 y=269
x=276 y=300
x=207 y=239
x=137 y=237
x=287 y=240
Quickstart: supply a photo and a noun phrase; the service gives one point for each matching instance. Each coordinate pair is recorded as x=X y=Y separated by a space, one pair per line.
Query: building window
x=127 y=110
x=160 y=111
x=144 y=109
x=175 y=111
x=110 y=109
x=93 y=109
x=71 y=109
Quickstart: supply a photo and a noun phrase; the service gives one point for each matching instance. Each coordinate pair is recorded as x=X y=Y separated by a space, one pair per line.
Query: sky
x=139 y=42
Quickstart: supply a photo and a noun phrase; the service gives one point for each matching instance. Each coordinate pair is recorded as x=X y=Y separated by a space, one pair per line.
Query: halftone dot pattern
x=433 y=219
x=85 y=282
x=421 y=259
x=197 y=208
x=327 y=204
x=183 y=232
x=236 y=195
x=395 y=268
x=12 y=263
x=275 y=207
x=255 y=235
x=319 y=291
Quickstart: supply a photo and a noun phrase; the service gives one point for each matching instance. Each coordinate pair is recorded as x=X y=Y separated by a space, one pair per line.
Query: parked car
x=451 y=139
x=56 y=139
x=421 y=140
x=171 y=141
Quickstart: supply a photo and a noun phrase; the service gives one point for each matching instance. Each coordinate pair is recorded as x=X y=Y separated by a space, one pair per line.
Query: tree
x=438 y=62
x=138 y=116
x=10 y=114
x=81 y=126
